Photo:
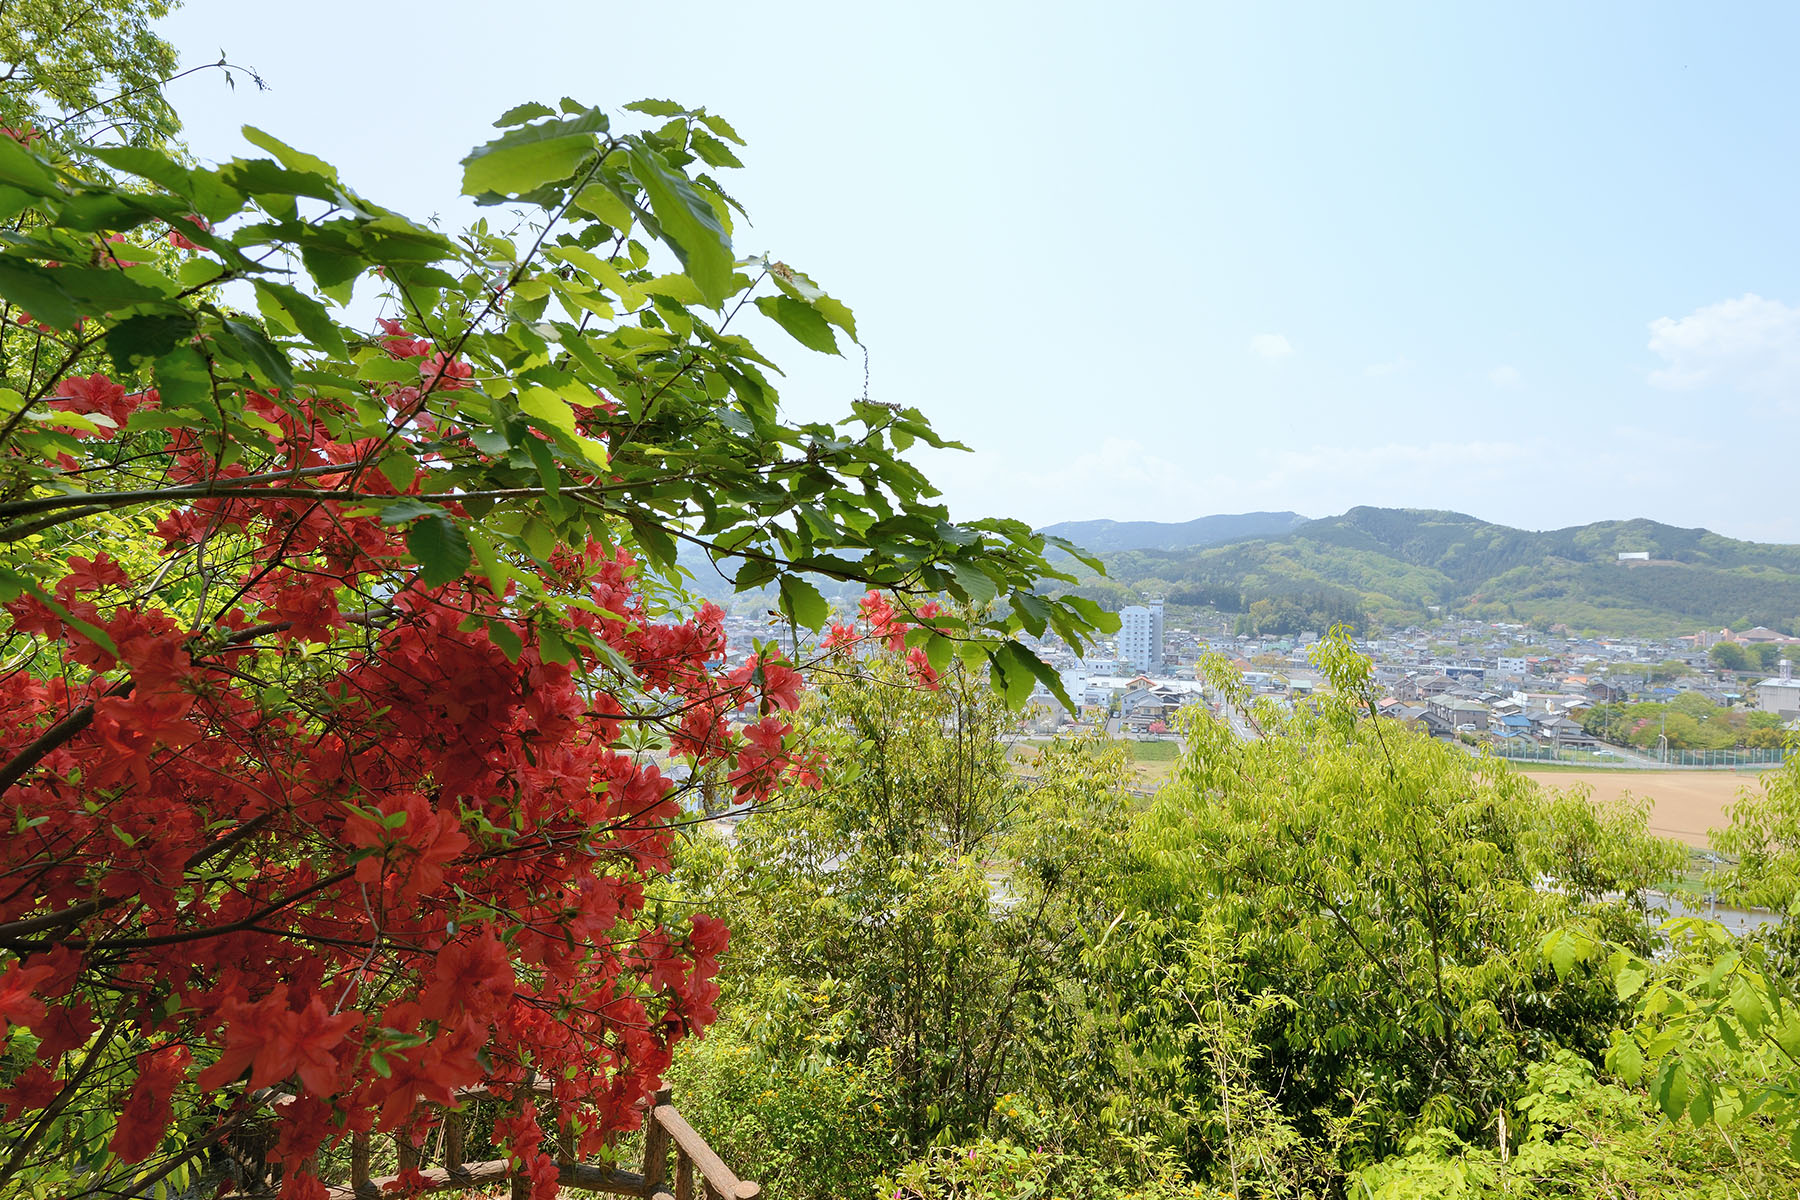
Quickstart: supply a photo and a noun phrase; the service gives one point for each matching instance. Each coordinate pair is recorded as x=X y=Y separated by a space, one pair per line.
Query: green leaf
x=22 y=169
x=1627 y=1059
x=519 y=114
x=714 y=152
x=975 y=583
x=503 y=635
x=1700 y=1105
x=440 y=548
x=722 y=127
x=1033 y=611
x=656 y=108
x=680 y=288
x=261 y=353
x=399 y=468
x=36 y=291
x=938 y=651
x=1040 y=670
x=802 y=602
x=183 y=381
x=689 y=224
x=838 y=313
x=1561 y=953
x=149 y=164
x=529 y=157
x=143 y=337
x=310 y=317
x=292 y=159
x=1629 y=980
x=1747 y=1005
x=549 y=412
x=600 y=201
x=801 y=320
x=1016 y=675
x=1670 y=1089
x=407 y=508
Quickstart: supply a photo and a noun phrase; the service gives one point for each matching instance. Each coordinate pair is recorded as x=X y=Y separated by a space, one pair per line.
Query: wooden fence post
x=454 y=1137
x=359 y=1163
x=656 y=1144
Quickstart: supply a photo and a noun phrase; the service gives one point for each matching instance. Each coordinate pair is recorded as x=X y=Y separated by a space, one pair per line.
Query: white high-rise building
x=1141 y=637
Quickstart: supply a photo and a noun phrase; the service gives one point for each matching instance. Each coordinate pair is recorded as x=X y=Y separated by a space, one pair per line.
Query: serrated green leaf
x=503 y=635
x=531 y=156
x=802 y=602
x=938 y=651
x=142 y=337
x=36 y=291
x=146 y=163
x=1700 y=1104
x=260 y=353
x=309 y=316
x=1627 y=1059
x=600 y=201
x=801 y=320
x=1670 y=1089
x=399 y=468
x=406 y=508
x=711 y=150
x=1017 y=680
x=22 y=169
x=521 y=113
x=656 y=108
x=440 y=548
x=722 y=127
x=183 y=381
x=975 y=583
x=689 y=224
x=292 y=159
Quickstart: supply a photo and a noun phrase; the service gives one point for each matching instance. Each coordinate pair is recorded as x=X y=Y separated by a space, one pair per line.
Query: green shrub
x=803 y=1126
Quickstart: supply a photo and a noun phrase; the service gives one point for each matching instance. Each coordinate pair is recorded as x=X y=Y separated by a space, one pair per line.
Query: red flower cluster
x=99 y=396
x=334 y=838
x=882 y=626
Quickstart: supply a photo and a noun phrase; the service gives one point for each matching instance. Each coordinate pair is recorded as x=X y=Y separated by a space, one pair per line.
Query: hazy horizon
x=1532 y=264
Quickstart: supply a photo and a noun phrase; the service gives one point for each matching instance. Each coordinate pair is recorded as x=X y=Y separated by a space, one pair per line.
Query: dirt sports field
x=1687 y=803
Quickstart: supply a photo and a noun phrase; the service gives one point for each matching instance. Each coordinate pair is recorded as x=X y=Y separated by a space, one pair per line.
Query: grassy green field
x=1154 y=752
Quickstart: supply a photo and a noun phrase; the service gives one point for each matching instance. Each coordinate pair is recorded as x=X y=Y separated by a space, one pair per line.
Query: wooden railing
x=664 y=1128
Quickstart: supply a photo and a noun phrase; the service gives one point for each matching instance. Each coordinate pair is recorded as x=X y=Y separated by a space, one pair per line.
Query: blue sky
x=1532 y=262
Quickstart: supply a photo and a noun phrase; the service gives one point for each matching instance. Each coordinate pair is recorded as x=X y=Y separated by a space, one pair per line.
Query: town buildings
x=1141 y=636
x=1780 y=695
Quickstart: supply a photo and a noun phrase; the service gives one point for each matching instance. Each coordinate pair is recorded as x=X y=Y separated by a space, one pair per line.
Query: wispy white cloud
x=1393 y=367
x=1504 y=377
x=1271 y=346
x=1749 y=343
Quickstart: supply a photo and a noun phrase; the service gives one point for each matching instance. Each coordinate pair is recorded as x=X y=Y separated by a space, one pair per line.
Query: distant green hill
x=1105 y=536
x=1394 y=564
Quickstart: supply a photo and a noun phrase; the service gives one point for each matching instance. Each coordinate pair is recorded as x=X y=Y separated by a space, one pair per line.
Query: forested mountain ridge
x=1399 y=563
x=1104 y=536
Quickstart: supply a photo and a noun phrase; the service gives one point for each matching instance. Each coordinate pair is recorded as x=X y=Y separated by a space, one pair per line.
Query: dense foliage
x=1340 y=959
x=360 y=734
x=1736 y=656
x=927 y=909
x=352 y=700
x=1689 y=722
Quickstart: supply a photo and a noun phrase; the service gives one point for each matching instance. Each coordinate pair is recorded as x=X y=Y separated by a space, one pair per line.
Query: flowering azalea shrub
x=353 y=700
x=350 y=847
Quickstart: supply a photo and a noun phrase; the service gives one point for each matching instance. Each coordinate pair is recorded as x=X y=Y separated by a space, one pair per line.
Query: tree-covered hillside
x=1398 y=563
x=1104 y=536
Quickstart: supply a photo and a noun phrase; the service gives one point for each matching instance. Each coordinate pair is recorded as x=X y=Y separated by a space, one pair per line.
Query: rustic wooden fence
x=664 y=1129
